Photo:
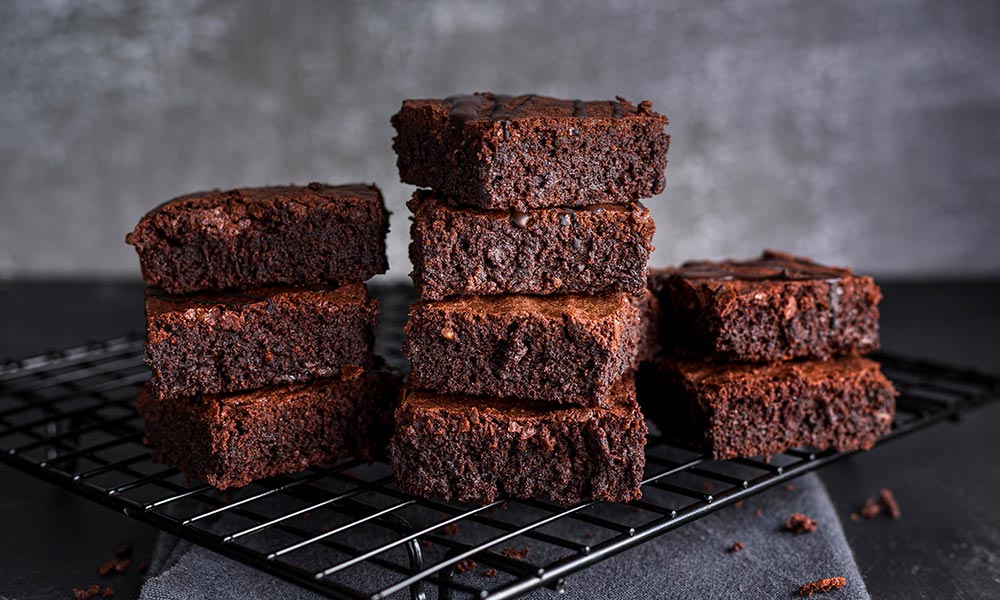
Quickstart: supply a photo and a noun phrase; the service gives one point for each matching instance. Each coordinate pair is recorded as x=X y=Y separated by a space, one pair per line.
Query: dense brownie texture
x=232 y=341
x=479 y=449
x=467 y=251
x=649 y=326
x=731 y=410
x=562 y=349
x=523 y=152
x=773 y=308
x=230 y=440
x=253 y=237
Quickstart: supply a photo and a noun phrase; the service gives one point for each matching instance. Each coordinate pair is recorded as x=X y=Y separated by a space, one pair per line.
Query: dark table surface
x=947 y=478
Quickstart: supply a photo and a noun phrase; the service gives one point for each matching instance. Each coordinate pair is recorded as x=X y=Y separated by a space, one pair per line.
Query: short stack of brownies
x=260 y=330
x=529 y=251
x=763 y=355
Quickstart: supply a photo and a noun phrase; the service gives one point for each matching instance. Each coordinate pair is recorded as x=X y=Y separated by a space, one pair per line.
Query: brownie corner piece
x=743 y=410
x=211 y=343
x=475 y=449
x=253 y=237
x=568 y=349
x=776 y=307
x=501 y=152
x=561 y=250
x=229 y=440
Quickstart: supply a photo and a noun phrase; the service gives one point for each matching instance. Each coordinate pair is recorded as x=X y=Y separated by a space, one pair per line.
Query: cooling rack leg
x=415 y=554
x=447 y=574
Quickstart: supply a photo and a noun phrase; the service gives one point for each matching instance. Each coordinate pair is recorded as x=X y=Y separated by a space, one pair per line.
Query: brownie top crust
x=621 y=402
x=159 y=302
x=228 y=213
x=488 y=106
x=427 y=201
x=574 y=307
x=771 y=266
x=841 y=371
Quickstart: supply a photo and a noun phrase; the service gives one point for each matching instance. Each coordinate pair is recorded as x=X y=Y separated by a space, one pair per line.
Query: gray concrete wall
x=862 y=133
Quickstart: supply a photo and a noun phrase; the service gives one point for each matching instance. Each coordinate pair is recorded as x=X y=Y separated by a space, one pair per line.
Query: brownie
x=586 y=250
x=562 y=349
x=523 y=152
x=229 y=440
x=648 y=306
x=475 y=449
x=232 y=341
x=741 y=410
x=775 y=307
x=254 y=237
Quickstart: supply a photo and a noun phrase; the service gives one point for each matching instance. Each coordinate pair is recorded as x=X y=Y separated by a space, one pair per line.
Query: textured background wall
x=864 y=133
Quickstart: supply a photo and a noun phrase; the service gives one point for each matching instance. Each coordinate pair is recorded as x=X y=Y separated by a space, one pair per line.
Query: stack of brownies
x=764 y=355
x=260 y=331
x=529 y=252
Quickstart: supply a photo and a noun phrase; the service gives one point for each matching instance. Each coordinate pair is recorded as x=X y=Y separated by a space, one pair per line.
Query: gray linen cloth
x=692 y=561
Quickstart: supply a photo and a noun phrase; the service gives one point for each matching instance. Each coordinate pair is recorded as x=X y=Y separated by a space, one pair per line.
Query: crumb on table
x=822 y=586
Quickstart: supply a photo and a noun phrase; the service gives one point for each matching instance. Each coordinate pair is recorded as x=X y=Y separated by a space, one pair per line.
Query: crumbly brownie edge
x=563 y=358
x=229 y=442
x=768 y=320
x=846 y=410
x=543 y=251
x=226 y=343
x=472 y=454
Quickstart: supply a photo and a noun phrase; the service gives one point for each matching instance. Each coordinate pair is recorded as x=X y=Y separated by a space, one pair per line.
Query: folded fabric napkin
x=693 y=561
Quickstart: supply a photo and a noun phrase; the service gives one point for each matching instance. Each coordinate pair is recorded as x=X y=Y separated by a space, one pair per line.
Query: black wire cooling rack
x=345 y=530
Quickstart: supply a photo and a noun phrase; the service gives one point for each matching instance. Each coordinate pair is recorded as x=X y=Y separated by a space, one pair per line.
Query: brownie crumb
x=450 y=530
x=822 y=586
x=871 y=509
x=466 y=565
x=86 y=593
x=854 y=516
x=738 y=504
x=515 y=553
x=108 y=592
x=143 y=566
x=708 y=487
x=349 y=372
x=491 y=573
x=737 y=547
x=800 y=523
x=889 y=502
x=113 y=566
x=759 y=513
x=790 y=488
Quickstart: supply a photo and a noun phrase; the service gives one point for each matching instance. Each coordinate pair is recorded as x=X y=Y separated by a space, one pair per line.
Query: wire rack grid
x=345 y=530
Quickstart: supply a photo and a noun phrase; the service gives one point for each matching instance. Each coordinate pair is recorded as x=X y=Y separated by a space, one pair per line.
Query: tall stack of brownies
x=260 y=331
x=529 y=250
x=764 y=355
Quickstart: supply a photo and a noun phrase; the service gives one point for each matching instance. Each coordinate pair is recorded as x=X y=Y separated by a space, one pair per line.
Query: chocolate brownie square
x=467 y=251
x=742 y=410
x=561 y=349
x=775 y=307
x=524 y=152
x=230 y=440
x=254 y=237
x=475 y=449
x=232 y=341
